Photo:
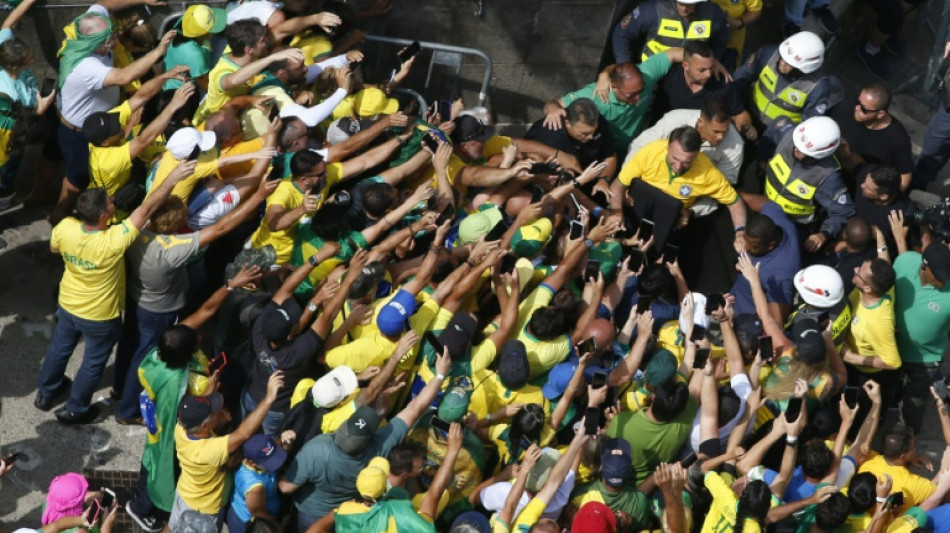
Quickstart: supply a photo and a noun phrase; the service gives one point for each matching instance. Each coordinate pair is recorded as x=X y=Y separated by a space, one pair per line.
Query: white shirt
x=494 y=496
x=259 y=10
x=84 y=91
x=743 y=388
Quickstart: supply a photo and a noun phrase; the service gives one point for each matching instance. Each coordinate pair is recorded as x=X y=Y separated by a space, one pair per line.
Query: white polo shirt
x=83 y=92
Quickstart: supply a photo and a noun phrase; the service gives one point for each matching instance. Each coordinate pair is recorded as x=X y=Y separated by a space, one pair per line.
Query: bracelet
x=882 y=249
x=469 y=263
x=880 y=499
x=228 y=285
x=740 y=227
x=313 y=260
x=489 y=418
x=598 y=210
x=386 y=220
x=791 y=440
x=440 y=376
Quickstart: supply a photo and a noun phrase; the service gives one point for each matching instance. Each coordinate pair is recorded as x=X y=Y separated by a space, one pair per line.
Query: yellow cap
x=371 y=483
x=372 y=101
x=200 y=20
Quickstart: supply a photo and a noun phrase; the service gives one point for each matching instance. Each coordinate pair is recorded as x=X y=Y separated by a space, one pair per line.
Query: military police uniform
x=663 y=28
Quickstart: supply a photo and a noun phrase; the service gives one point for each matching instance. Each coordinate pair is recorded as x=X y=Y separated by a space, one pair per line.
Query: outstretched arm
x=246 y=276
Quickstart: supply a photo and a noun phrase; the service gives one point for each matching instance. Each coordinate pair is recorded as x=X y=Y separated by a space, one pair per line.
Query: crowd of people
x=693 y=296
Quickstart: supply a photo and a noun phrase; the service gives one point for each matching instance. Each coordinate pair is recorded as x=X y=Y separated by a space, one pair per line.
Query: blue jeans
x=100 y=336
x=936 y=150
x=140 y=332
x=272 y=420
x=795 y=9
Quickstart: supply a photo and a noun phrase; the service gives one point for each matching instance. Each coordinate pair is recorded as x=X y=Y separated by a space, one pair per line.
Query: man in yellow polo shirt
x=677 y=168
x=91 y=295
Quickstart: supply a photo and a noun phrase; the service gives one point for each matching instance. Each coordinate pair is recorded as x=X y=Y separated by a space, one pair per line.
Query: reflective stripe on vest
x=839 y=326
x=789 y=102
x=669 y=32
x=791 y=185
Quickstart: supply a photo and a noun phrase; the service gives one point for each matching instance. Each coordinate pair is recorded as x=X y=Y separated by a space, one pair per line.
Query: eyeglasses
x=865 y=110
x=858 y=273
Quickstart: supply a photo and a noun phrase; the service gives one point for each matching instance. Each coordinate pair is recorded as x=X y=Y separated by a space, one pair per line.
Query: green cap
x=530 y=239
x=474 y=226
x=609 y=254
x=454 y=405
x=661 y=369
x=263 y=257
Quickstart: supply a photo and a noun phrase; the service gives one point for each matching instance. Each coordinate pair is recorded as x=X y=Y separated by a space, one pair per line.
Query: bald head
x=602 y=331
x=226 y=127
x=92 y=24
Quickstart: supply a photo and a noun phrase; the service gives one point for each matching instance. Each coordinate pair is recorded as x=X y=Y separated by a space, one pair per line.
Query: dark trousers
x=141 y=504
x=76 y=153
x=141 y=332
x=916 y=398
x=936 y=150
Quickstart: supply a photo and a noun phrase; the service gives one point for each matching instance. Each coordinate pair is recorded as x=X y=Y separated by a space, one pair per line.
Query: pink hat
x=66 y=496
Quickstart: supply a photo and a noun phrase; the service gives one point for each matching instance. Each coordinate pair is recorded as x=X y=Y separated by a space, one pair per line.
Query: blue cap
x=558 y=379
x=616 y=462
x=474 y=519
x=393 y=318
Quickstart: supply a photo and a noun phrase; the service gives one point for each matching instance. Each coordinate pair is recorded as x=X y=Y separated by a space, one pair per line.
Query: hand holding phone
x=589 y=346
x=508 y=263
x=894 y=501
x=214 y=366
x=793 y=410
x=195 y=152
x=440 y=424
x=497 y=232
x=766 y=352
x=49 y=84
x=108 y=498
x=409 y=52
x=431 y=338
x=643 y=304
x=591 y=421
x=576 y=230
x=598 y=380
x=851 y=396
x=714 y=301
x=543 y=169
x=592 y=270
x=702 y=356
x=646 y=230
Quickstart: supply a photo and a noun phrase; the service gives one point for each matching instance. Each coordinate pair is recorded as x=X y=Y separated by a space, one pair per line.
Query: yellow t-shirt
x=916 y=489
x=722 y=513
x=204 y=482
x=872 y=330
x=93 y=285
x=289 y=196
x=481 y=357
x=492 y=147
x=542 y=355
x=736 y=9
x=217 y=96
x=701 y=179
x=110 y=167
x=490 y=395
x=314 y=47
x=857 y=523
x=207 y=166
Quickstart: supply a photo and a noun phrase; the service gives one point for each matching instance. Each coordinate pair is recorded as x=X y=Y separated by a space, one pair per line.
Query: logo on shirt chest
x=854 y=321
x=934 y=306
x=685 y=191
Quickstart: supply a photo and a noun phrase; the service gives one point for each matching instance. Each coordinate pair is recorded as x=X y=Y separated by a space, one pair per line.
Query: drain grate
x=123 y=483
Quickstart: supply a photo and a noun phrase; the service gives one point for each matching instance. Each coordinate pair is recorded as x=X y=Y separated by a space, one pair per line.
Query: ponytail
x=754 y=503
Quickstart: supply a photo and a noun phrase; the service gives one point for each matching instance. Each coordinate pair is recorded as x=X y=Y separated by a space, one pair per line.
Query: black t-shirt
x=876 y=215
x=600 y=147
x=890 y=146
x=673 y=93
x=295 y=359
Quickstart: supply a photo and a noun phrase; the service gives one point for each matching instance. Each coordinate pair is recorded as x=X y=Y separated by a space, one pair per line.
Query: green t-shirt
x=192 y=54
x=652 y=442
x=922 y=314
x=626 y=121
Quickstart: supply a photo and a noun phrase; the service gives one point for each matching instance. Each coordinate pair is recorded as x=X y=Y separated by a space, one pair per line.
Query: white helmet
x=804 y=51
x=820 y=286
x=690 y=2
x=817 y=137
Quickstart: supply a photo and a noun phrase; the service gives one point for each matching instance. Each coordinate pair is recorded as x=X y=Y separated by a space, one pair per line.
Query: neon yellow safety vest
x=840 y=315
x=669 y=32
x=792 y=185
x=789 y=102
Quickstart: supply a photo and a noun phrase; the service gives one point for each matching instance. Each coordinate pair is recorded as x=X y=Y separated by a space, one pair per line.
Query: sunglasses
x=865 y=110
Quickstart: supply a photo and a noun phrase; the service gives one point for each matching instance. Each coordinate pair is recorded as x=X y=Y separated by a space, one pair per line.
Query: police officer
x=786 y=86
x=803 y=175
x=821 y=296
x=667 y=24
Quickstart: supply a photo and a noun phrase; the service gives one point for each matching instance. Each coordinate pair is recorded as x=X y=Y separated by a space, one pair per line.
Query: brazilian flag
x=386 y=516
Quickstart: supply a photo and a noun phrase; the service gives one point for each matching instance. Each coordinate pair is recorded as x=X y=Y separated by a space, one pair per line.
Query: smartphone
x=96 y=512
x=588 y=346
x=193 y=156
x=670 y=252
x=315 y=190
x=497 y=232
x=447 y=214
x=216 y=364
x=689 y=461
x=563 y=177
x=108 y=498
x=894 y=500
x=48 y=85
x=598 y=380
x=265 y=359
x=430 y=142
x=714 y=301
x=10 y=459
x=940 y=387
x=276 y=169
x=646 y=229
x=576 y=231
x=543 y=169
x=444 y=108
x=536 y=194
x=409 y=52
x=611 y=399
x=851 y=396
x=699 y=333
x=636 y=260
x=643 y=304
x=274 y=112
x=591 y=421
x=525 y=443
x=434 y=341
x=794 y=409
x=592 y=270
x=342 y=197
x=508 y=263
x=765 y=348
x=577 y=205
x=440 y=424
x=702 y=355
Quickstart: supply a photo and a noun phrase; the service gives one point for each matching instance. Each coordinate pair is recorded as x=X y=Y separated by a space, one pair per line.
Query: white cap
x=334 y=386
x=699 y=311
x=183 y=142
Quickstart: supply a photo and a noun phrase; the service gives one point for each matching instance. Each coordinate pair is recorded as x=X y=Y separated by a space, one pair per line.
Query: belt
x=68 y=125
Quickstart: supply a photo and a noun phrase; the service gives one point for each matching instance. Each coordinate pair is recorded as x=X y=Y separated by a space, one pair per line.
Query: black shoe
x=46 y=403
x=115 y=395
x=148 y=523
x=826 y=19
x=789 y=28
x=65 y=416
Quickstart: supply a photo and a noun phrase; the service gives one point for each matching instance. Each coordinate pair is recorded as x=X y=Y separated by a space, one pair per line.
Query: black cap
x=468 y=128
x=458 y=334
x=357 y=432
x=193 y=410
x=808 y=342
x=277 y=322
x=513 y=367
x=937 y=259
x=101 y=126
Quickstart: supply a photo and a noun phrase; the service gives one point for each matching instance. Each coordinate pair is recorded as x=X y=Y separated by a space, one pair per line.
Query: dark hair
x=290 y=130
x=882 y=275
x=365 y=282
x=887 y=179
x=329 y=222
x=760 y=226
x=715 y=110
x=669 y=400
x=748 y=343
x=688 y=138
x=568 y=304
x=342 y=10
x=824 y=424
x=303 y=162
x=623 y=72
x=377 y=199
x=754 y=503
x=443 y=269
x=176 y=345
x=815 y=458
x=28 y=129
x=583 y=111
x=15 y=54
x=262 y=525
x=833 y=512
x=180 y=116
x=880 y=92
x=862 y=492
x=91 y=204
x=729 y=404
x=655 y=281
x=546 y=323
x=896 y=442
x=528 y=423
x=857 y=233
x=694 y=47
x=244 y=34
x=403 y=455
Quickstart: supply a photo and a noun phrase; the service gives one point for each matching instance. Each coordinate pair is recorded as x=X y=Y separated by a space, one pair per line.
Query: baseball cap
x=192 y=521
x=454 y=404
x=193 y=410
x=458 y=333
x=481 y=114
x=263 y=258
x=393 y=318
x=468 y=128
x=661 y=369
x=748 y=324
x=808 y=342
x=616 y=462
x=262 y=450
x=541 y=470
x=357 y=432
x=183 y=142
x=372 y=101
x=558 y=378
x=474 y=519
x=278 y=321
x=478 y=224
x=530 y=239
x=594 y=517
x=99 y=127
x=371 y=481
x=200 y=20
x=334 y=386
x=513 y=365
x=937 y=258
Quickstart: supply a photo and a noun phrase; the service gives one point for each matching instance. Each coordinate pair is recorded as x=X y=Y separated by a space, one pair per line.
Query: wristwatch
x=740 y=227
x=312 y=307
x=588 y=243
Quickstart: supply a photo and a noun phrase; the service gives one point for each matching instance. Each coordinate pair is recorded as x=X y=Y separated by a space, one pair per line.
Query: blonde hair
x=781 y=386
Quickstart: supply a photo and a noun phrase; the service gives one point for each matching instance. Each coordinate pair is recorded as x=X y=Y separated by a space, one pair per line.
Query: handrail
x=482 y=93
x=414 y=94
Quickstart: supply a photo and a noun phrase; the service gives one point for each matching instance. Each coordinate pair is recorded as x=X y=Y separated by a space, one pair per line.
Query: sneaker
x=6 y=199
x=150 y=524
x=874 y=63
x=65 y=416
x=789 y=28
x=135 y=421
x=826 y=19
x=44 y=403
x=895 y=47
